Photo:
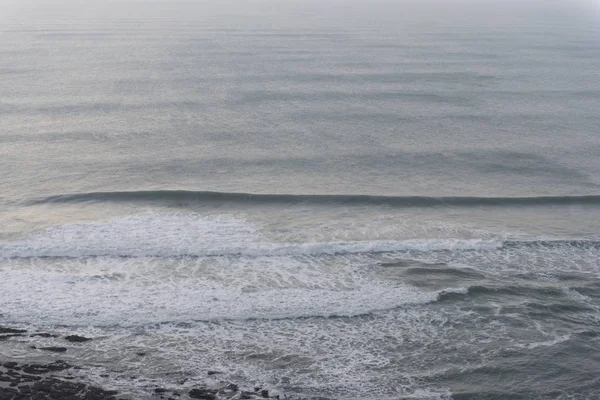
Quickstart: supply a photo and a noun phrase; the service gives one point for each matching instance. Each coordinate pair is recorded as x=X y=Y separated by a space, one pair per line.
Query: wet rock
x=26 y=389
x=228 y=392
x=34 y=370
x=57 y=389
x=4 y=330
x=55 y=349
x=22 y=386
x=60 y=365
x=7 y=393
x=10 y=335
x=44 y=335
x=37 y=369
x=203 y=394
x=37 y=382
x=76 y=339
x=10 y=364
x=25 y=377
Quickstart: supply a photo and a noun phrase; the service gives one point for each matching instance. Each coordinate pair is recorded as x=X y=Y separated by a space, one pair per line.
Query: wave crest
x=396 y=201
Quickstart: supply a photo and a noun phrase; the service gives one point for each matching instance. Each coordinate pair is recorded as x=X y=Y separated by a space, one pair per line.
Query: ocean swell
x=260 y=198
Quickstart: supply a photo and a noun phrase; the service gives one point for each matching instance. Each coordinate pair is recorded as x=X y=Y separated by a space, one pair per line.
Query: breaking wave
x=194 y=235
x=31 y=249
x=117 y=249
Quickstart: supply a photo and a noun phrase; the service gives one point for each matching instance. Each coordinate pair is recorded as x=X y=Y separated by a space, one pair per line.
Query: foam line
x=123 y=249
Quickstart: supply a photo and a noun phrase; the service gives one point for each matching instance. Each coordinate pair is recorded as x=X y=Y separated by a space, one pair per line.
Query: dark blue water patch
x=565 y=368
x=556 y=309
x=569 y=278
x=522 y=304
x=489 y=290
x=431 y=276
x=555 y=313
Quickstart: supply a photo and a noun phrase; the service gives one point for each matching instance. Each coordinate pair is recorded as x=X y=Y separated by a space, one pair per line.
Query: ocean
x=334 y=199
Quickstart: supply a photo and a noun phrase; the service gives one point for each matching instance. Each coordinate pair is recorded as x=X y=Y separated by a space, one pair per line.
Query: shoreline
x=55 y=380
x=46 y=382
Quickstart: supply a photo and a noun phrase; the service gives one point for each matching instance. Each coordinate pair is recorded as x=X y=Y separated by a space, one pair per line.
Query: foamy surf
x=192 y=235
x=132 y=292
x=190 y=291
x=35 y=250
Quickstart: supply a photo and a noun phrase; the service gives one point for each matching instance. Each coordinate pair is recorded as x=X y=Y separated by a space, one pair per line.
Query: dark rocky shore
x=39 y=381
x=57 y=380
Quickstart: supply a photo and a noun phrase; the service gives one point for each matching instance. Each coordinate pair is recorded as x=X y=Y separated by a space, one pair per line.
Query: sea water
x=353 y=200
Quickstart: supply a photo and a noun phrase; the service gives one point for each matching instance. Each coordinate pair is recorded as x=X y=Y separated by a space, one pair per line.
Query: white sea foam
x=546 y=343
x=254 y=308
x=462 y=290
x=348 y=356
x=132 y=291
x=228 y=313
x=186 y=234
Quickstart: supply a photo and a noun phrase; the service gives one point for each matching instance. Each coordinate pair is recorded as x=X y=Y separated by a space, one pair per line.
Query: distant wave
x=397 y=201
